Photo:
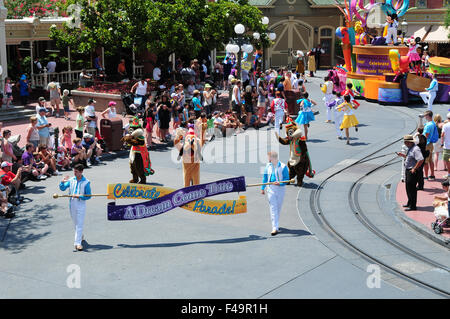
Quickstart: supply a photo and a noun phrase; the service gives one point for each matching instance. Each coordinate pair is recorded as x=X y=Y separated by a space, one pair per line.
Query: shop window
x=327 y=32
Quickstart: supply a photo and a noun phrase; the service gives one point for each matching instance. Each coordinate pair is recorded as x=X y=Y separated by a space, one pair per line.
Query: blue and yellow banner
x=162 y=199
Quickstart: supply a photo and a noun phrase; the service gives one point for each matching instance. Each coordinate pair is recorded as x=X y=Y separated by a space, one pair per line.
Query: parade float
x=384 y=68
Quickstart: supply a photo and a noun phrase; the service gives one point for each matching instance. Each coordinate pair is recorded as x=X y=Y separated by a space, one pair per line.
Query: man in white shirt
x=156 y=74
x=445 y=139
x=218 y=122
x=51 y=66
x=91 y=119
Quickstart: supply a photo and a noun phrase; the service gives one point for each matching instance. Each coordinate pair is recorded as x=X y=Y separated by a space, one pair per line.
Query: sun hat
x=207 y=85
x=112 y=103
x=87 y=135
x=448 y=115
x=196 y=91
x=408 y=138
x=5 y=164
x=23 y=77
x=42 y=99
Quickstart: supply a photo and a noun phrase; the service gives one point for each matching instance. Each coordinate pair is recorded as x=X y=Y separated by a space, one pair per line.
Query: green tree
x=183 y=27
x=447 y=20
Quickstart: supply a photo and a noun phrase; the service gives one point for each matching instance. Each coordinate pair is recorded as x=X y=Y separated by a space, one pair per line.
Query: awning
x=438 y=33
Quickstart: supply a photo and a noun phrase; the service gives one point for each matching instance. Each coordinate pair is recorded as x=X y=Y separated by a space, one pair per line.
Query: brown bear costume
x=140 y=164
x=299 y=163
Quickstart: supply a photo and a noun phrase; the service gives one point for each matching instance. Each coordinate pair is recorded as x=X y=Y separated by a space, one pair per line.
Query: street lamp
x=240 y=44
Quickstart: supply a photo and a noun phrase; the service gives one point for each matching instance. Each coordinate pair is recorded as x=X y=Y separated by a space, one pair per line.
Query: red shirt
x=7 y=177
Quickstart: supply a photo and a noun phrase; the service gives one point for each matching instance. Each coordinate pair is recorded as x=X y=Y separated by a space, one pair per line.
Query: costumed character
x=190 y=151
x=140 y=164
x=350 y=119
x=327 y=89
x=390 y=28
x=413 y=55
x=349 y=91
x=311 y=63
x=361 y=36
x=300 y=64
x=299 y=163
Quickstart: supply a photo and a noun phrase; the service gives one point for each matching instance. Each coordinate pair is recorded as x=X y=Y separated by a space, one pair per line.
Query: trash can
x=112 y=132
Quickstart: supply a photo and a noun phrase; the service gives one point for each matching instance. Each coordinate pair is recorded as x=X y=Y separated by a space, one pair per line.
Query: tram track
x=323 y=221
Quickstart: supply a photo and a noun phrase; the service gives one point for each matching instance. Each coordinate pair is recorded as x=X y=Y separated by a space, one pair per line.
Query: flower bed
x=108 y=88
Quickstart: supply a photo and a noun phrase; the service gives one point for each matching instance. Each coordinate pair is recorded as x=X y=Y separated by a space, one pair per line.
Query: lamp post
x=404 y=25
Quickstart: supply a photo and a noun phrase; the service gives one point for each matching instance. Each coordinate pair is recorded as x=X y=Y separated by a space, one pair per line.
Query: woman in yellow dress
x=350 y=119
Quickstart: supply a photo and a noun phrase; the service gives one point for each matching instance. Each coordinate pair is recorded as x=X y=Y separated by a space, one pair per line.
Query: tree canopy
x=184 y=27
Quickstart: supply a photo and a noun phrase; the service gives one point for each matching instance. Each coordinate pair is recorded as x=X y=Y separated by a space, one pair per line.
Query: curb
x=416 y=226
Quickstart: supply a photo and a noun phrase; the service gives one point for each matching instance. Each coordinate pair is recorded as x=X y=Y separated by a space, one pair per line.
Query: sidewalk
x=425 y=210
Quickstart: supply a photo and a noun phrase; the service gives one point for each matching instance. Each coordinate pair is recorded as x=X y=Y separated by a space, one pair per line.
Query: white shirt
x=446 y=132
x=141 y=88
x=51 y=66
x=218 y=120
x=156 y=74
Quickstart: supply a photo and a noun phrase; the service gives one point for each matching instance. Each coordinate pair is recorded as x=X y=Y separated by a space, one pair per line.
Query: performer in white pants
x=79 y=186
x=338 y=116
x=430 y=94
x=275 y=171
x=327 y=89
x=278 y=107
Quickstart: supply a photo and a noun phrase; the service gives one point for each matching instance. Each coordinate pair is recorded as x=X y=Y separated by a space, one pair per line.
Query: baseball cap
x=5 y=163
x=92 y=101
x=87 y=135
x=42 y=109
x=112 y=103
x=41 y=99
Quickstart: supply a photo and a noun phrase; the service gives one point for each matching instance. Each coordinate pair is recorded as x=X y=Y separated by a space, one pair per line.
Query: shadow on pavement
x=316 y=141
x=219 y=241
x=87 y=247
x=296 y=232
x=24 y=228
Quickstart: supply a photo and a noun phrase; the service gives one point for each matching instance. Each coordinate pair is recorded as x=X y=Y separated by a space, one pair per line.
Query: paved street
x=181 y=254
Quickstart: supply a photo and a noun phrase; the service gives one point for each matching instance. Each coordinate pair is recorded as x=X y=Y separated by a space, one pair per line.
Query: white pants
x=391 y=35
x=338 y=117
x=428 y=98
x=279 y=116
x=275 y=194
x=328 y=99
x=77 y=212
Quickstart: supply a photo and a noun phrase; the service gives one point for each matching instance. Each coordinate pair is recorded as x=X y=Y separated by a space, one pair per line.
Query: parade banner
x=162 y=199
x=373 y=64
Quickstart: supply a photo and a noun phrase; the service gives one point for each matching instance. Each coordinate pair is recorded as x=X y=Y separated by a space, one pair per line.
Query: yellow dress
x=350 y=119
x=311 y=63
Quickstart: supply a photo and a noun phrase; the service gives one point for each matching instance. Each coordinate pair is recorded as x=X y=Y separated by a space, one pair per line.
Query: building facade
x=300 y=25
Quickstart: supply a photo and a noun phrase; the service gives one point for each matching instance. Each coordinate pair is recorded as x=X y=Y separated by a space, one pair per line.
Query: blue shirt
x=42 y=120
x=431 y=129
x=197 y=104
x=273 y=177
x=75 y=184
x=24 y=88
x=433 y=86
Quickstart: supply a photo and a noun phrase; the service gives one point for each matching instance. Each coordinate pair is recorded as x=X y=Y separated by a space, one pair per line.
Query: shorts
x=66 y=108
x=78 y=133
x=446 y=155
x=429 y=158
x=9 y=95
x=55 y=101
x=249 y=108
x=44 y=140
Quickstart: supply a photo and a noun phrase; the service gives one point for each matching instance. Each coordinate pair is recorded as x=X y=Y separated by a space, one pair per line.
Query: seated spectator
x=41 y=104
x=11 y=181
x=254 y=120
x=93 y=150
x=62 y=159
x=41 y=166
x=29 y=164
x=219 y=122
x=48 y=159
x=6 y=209
x=78 y=153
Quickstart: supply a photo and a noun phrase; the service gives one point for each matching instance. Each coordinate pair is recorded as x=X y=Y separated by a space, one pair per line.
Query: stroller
x=442 y=219
x=133 y=105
